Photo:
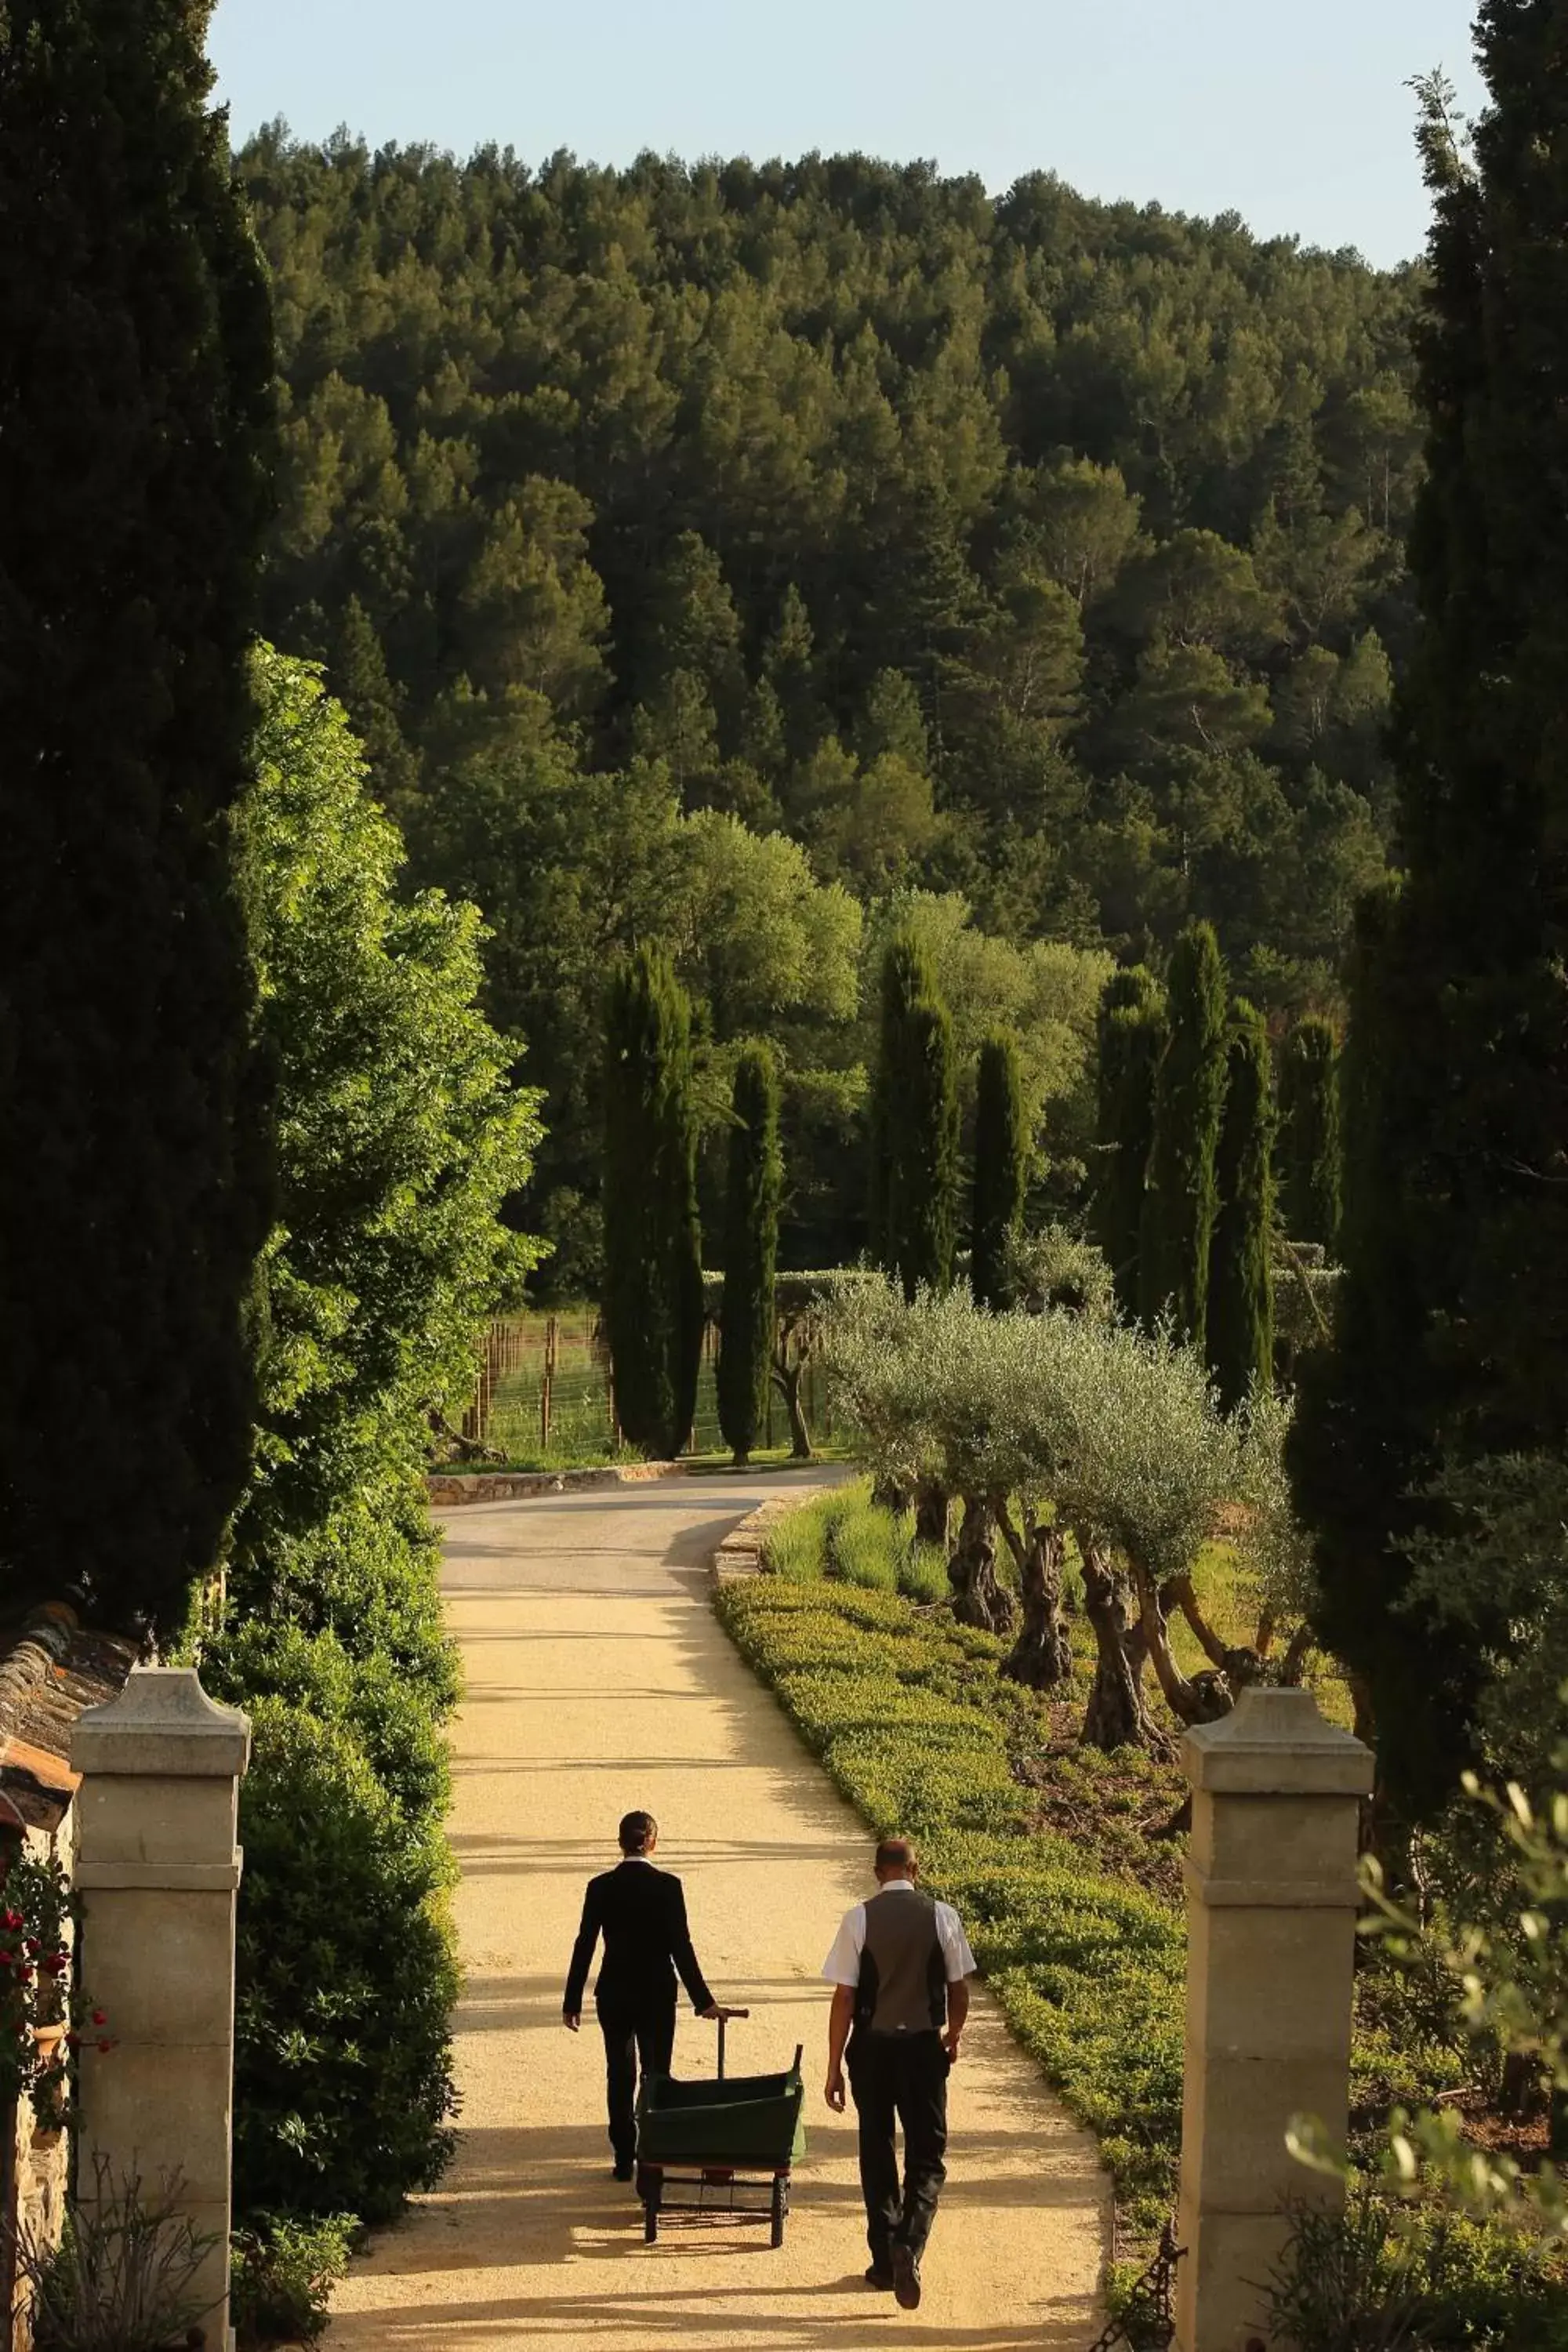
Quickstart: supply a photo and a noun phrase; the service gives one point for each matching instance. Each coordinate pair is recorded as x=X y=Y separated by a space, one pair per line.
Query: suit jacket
x=641 y=1913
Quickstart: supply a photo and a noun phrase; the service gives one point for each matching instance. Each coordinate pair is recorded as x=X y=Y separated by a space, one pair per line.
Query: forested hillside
x=709 y=554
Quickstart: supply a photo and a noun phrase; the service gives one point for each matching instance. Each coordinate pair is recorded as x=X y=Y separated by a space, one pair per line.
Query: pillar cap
x=1275 y=1743
x=162 y=1725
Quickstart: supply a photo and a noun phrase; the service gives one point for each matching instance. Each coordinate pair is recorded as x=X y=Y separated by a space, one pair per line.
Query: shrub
x=280 y=2275
x=123 y=2276
x=342 y=2081
x=796 y=1546
x=845 y=1534
x=1381 y=2277
x=390 y=1719
x=864 y=1545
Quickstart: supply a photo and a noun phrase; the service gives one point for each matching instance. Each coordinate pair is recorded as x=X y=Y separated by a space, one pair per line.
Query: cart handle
x=722 y=2018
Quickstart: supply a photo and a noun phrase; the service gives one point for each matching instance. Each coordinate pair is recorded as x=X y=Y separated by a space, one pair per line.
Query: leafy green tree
x=914 y=1132
x=1181 y=1201
x=1001 y=1170
x=1131 y=1040
x=1456 y=1218
x=135 y=416
x=389 y=1252
x=653 y=1260
x=746 y=1316
x=1240 y=1331
x=1309 y=1147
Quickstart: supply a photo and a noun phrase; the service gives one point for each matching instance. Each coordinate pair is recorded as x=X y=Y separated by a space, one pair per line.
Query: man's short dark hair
x=895 y=1853
x=635 y=1831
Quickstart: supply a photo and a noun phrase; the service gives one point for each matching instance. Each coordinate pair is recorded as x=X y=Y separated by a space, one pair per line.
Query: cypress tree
x=1241 y=1280
x=914 y=1141
x=136 y=415
x=1451 y=1331
x=1309 y=1148
x=1132 y=1040
x=1001 y=1167
x=1189 y=1097
x=653 y=1260
x=751 y=1251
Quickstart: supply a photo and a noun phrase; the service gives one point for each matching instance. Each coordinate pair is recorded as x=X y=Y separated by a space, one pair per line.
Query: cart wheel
x=781 y=2207
x=651 y=2221
x=651 y=2188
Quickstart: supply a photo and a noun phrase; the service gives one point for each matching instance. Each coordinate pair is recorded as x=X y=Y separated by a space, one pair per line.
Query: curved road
x=598 y=1679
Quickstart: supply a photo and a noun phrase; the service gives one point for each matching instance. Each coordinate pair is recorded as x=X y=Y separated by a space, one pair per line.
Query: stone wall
x=450 y=1488
x=52 y=1667
x=39 y=2161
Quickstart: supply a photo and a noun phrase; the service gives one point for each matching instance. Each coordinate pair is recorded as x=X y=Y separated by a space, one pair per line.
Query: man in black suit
x=641 y=1913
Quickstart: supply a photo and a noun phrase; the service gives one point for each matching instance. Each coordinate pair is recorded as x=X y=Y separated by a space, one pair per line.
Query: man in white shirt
x=899 y=1967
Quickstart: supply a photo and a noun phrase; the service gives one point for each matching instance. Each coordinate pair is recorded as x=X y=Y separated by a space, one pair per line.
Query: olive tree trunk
x=1042 y=1655
x=933 y=1512
x=787 y=1379
x=977 y=1598
x=1117 y=1715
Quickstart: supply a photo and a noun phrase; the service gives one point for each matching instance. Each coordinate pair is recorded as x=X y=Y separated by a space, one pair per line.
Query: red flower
x=106 y=2047
x=99 y=2018
x=73 y=2041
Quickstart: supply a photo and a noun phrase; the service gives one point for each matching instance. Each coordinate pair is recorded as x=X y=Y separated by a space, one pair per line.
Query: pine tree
x=914 y=1141
x=1189 y=1098
x=1001 y=1168
x=135 y=420
x=360 y=680
x=1131 y=1039
x=1241 y=1283
x=751 y=1252
x=653 y=1262
x=1308 y=1145
x=1451 y=1336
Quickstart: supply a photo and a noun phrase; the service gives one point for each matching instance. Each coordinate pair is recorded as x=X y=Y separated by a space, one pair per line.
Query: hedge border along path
x=906 y=1712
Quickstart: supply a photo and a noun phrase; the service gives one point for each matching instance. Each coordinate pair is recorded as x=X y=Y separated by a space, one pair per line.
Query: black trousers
x=634 y=2034
x=900 y=2078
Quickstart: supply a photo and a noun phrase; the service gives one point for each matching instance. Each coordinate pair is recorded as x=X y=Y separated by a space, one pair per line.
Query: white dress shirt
x=842 y=1966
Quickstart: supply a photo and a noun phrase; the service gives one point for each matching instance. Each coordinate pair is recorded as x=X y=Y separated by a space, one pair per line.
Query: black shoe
x=623 y=2172
x=906 y=2279
x=880 y=2276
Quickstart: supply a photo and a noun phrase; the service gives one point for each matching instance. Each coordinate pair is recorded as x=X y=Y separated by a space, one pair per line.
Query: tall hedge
x=1450 y=1334
x=914 y=1127
x=746 y=1315
x=1240 y=1330
x=389 y=1252
x=1189 y=1098
x=653 y=1261
x=135 y=418
x=1131 y=1040
x=1001 y=1168
x=1309 y=1150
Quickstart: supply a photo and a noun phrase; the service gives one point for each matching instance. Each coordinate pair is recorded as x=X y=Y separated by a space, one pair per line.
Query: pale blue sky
x=1294 y=115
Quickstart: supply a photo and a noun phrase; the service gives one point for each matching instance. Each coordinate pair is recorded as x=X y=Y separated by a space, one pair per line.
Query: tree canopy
x=1037 y=554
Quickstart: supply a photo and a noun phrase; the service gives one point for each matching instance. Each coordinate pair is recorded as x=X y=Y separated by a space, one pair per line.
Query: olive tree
x=1110 y=1435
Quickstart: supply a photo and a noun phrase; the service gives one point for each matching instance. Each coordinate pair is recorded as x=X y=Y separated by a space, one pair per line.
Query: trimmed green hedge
x=906 y=1712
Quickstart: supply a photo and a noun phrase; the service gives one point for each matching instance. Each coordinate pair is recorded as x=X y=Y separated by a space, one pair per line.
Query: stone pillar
x=158 y=1870
x=1272 y=1909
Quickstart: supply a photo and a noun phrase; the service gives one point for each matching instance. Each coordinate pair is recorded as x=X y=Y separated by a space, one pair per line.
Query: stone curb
x=740 y=1553
x=444 y=1490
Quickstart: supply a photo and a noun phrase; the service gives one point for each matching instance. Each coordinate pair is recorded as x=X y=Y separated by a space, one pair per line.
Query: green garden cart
x=719 y=2147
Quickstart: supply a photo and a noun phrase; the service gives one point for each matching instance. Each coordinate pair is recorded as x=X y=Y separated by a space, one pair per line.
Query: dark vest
x=903 y=1971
